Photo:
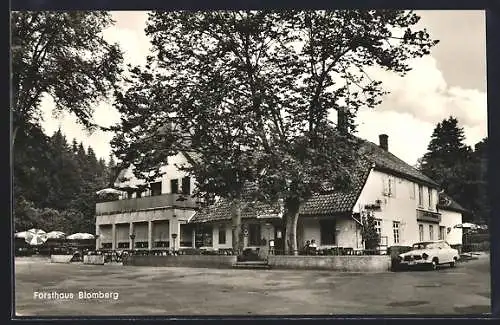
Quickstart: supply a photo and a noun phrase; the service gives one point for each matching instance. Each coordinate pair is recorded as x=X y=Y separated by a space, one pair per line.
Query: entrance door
x=279 y=241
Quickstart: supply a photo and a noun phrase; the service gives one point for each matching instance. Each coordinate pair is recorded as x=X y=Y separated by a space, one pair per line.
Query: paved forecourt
x=45 y=289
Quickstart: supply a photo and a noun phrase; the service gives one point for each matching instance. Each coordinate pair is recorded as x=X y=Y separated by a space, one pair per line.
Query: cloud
x=128 y=32
x=408 y=114
x=408 y=135
x=416 y=103
x=104 y=115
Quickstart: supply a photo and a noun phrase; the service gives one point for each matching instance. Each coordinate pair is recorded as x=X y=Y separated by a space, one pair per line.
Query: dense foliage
x=55 y=183
x=369 y=233
x=250 y=93
x=460 y=170
x=63 y=55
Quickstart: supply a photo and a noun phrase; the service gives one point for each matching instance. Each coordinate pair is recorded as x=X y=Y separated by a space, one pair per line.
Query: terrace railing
x=145 y=203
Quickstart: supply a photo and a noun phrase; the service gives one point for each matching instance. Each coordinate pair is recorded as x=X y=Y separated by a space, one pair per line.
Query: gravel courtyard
x=147 y=291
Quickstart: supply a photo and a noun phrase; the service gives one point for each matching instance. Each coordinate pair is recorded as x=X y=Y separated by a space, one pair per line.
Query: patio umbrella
x=21 y=234
x=35 y=237
x=108 y=191
x=56 y=235
x=469 y=225
x=80 y=236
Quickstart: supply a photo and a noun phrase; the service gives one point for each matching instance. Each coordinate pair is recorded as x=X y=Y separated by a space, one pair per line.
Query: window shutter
x=385 y=188
x=393 y=186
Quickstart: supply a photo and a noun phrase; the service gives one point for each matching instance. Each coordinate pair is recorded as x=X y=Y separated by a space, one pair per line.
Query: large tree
x=482 y=203
x=457 y=168
x=64 y=55
x=251 y=92
x=55 y=183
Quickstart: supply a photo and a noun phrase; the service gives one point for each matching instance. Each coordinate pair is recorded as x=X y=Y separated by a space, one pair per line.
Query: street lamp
x=174 y=236
x=96 y=237
x=132 y=237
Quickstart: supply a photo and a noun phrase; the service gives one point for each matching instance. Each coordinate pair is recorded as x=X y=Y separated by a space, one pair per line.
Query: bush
x=393 y=252
x=190 y=251
x=477 y=247
x=478 y=238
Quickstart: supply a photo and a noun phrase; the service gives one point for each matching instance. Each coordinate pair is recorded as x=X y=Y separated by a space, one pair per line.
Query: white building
x=404 y=202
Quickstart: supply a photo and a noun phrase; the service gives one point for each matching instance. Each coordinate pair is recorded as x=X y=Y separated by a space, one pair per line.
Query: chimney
x=383 y=141
x=342 y=121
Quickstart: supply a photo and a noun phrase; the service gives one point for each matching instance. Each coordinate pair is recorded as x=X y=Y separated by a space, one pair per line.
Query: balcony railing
x=147 y=202
x=429 y=216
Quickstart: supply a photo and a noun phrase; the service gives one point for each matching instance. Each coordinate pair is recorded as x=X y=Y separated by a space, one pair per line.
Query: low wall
x=370 y=263
x=60 y=258
x=93 y=259
x=213 y=261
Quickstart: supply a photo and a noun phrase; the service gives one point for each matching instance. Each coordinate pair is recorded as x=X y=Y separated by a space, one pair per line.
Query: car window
x=432 y=246
x=446 y=245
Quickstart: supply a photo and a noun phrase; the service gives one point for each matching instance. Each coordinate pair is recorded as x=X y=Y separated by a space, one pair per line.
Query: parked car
x=430 y=254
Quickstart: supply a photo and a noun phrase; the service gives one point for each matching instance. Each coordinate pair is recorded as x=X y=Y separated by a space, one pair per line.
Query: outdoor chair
x=348 y=251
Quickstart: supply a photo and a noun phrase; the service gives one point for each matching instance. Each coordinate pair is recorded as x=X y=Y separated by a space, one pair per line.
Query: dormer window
x=186 y=185
x=174 y=186
x=155 y=188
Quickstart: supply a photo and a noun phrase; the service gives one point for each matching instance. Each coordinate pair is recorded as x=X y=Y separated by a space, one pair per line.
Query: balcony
x=428 y=216
x=145 y=203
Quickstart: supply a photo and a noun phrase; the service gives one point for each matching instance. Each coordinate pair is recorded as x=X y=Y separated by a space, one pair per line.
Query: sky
x=449 y=82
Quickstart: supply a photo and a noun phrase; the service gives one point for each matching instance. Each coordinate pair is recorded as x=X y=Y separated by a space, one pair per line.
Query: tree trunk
x=292 y=217
x=237 y=235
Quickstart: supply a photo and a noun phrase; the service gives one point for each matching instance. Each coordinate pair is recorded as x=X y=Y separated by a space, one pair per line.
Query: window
x=442 y=233
x=162 y=244
x=156 y=188
x=395 y=230
x=420 y=195
x=412 y=190
x=141 y=244
x=174 y=186
x=327 y=232
x=186 y=238
x=106 y=245
x=222 y=235
x=430 y=198
x=254 y=234
x=203 y=236
x=378 y=228
x=124 y=245
x=421 y=232
x=186 y=185
x=431 y=232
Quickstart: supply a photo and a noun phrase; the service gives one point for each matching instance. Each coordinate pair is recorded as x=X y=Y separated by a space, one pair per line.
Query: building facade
x=405 y=203
x=153 y=219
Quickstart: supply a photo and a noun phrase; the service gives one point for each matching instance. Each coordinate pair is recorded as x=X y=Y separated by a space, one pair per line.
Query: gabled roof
x=331 y=202
x=387 y=162
x=328 y=203
x=221 y=211
x=446 y=202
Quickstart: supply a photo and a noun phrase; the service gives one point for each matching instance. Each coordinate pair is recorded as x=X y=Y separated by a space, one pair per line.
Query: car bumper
x=415 y=263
